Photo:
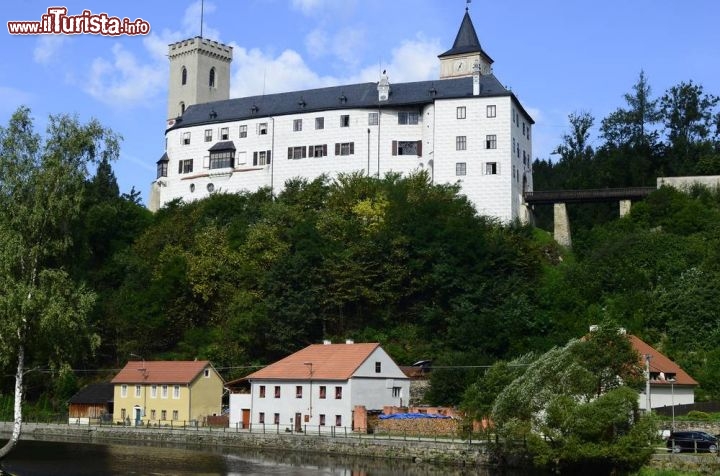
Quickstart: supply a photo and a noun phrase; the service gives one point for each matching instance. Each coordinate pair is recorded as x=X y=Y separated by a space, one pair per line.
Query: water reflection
x=35 y=458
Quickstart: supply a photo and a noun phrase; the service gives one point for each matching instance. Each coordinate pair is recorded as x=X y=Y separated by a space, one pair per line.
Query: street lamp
x=310 y=365
x=672 y=400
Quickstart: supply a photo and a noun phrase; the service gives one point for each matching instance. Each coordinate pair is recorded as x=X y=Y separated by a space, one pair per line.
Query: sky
x=558 y=56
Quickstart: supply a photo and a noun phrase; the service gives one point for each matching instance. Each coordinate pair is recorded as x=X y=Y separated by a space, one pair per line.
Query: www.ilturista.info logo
x=57 y=22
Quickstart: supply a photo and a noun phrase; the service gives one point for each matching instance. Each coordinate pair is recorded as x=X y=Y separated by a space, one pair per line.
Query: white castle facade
x=464 y=128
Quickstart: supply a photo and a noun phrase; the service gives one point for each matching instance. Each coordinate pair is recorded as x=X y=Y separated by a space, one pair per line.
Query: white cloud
x=316 y=43
x=309 y=6
x=191 y=21
x=47 y=47
x=409 y=62
x=123 y=81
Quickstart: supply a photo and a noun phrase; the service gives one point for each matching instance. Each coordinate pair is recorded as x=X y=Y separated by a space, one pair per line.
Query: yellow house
x=167 y=392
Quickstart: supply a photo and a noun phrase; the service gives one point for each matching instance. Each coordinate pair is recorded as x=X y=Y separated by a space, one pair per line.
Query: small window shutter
x=311 y=151
x=352 y=148
x=324 y=150
x=304 y=152
x=180 y=166
x=419 y=148
x=289 y=153
x=394 y=147
x=255 y=158
x=337 y=148
x=268 y=157
x=206 y=162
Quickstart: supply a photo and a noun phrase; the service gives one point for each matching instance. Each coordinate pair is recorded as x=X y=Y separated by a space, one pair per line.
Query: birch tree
x=42 y=310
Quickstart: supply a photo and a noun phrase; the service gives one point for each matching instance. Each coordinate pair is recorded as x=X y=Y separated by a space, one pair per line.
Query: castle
x=464 y=128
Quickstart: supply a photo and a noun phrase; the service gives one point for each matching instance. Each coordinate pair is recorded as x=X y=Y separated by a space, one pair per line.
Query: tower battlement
x=205 y=46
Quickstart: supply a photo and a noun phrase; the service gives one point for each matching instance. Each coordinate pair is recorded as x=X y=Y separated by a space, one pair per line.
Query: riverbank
x=418 y=450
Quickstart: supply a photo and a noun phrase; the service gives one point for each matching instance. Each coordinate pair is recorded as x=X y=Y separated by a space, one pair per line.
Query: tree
x=42 y=311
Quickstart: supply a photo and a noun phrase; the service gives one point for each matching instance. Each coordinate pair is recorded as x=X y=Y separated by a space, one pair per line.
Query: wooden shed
x=93 y=403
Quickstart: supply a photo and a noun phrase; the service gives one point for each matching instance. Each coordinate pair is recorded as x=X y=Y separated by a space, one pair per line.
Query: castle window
x=182 y=108
x=491 y=110
x=208 y=135
x=262 y=128
x=491 y=168
x=243 y=131
x=162 y=168
x=460 y=168
x=222 y=159
x=318 y=150
x=261 y=158
x=345 y=120
x=319 y=123
x=491 y=141
x=224 y=133
x=183 y=76
x=460 y=142
x=373 y=118
x=344 y=148
x=211 y=81
x=186 y=138
x=185 y=166
x=297 y=125
x=297 y=152
x=400 y=147
x=408 y=118
x=461 y=112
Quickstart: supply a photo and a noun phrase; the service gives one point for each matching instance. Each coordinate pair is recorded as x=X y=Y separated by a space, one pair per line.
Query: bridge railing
x=587 y=195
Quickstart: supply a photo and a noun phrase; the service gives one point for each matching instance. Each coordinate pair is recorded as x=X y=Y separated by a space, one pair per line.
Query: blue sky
x=558 y=56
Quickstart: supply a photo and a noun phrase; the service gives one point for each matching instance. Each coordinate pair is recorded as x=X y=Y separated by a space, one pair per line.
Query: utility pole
x=648 y=407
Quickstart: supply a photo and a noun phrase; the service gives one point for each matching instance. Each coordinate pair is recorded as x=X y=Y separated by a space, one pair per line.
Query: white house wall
x=238 y=402
x=665 y=396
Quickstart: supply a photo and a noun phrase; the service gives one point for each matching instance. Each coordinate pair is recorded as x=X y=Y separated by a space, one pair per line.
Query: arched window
x=182 y=108
x=211 y=83
x=183 y=81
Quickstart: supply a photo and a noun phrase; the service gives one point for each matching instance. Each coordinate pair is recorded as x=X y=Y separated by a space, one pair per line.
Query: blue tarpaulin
x=410 y=416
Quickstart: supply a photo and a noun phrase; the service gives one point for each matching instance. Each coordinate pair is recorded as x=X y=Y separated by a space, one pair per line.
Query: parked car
x=691 y=441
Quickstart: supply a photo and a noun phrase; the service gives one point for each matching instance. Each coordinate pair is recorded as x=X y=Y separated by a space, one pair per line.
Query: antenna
x=202 y=9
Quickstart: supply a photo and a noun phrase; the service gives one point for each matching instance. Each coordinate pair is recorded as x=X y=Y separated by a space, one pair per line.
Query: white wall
x=664 y=396
x=238 y=401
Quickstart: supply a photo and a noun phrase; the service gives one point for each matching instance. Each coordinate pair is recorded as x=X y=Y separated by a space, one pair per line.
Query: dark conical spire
x=466 y=40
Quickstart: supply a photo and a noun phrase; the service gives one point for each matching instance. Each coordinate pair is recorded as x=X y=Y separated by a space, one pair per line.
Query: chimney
x=349 y=341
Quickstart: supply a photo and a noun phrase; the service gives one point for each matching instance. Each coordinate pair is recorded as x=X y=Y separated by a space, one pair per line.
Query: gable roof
x=660 y=363
x=329 y=362
x=161 y=371
x=94 y=393
x=466 y=40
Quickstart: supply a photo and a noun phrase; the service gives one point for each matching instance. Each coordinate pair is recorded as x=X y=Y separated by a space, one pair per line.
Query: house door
x=138 y=415
x=245 y=418
x=298 y=422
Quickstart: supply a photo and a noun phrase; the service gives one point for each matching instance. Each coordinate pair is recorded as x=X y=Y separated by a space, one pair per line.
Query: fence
x=681 y=410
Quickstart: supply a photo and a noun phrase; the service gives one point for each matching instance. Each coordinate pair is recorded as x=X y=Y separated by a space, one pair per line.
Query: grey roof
x=164 y=158
x=351 y=96
x=224 y=145
x=94 y=393
x=466 y=40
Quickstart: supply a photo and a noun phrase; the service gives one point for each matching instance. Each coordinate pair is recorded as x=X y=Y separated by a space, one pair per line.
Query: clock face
x=459 y=65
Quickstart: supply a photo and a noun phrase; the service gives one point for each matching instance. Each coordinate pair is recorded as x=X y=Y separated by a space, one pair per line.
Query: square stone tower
x=199 y=73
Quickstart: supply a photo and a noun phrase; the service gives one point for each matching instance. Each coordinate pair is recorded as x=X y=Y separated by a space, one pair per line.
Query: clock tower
x=460 y=60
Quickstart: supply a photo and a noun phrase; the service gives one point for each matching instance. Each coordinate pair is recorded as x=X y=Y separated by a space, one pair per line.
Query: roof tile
x=161 y=371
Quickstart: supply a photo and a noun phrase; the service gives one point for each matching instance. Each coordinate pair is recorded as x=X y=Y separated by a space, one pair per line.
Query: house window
x=491 y=110
x=297 y=125
x=262 y=391
x=378 y=367
x=373 y=118
x=183 y=76
x=345 y=148
x=153 y=391
x=123 y=391
x=408 y=118
x=176 y=415
x=345 y=120
x=277 y=391
x=318 y=151
x=262 y=129
x=460 y=168
x=276 y=418
x=406 y=147
x=185 y=166
x=460 y=112
x=176 y=391
x=261 y=158
x=338 y=393
x=261 y=417
x=137 y=391
x=163 y=414
x=208 y=135
x=297 y=152
x=322 y=419
x=211 y=79
x=491 y=168
x=164 y=393
x=222 y=159
x=298 y=391
x=491 y=141
x=186 y=138
x=207 y=373
x=152 y=414
x=397 y=392
x=243 y=131
x=323 y=391
x=319 y=123
x=338 y=420
x=162 y=168
x=123 y=414
x=460 y=142
x=224 y=133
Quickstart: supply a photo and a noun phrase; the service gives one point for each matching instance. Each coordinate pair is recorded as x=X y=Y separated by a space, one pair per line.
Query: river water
x=46 y=458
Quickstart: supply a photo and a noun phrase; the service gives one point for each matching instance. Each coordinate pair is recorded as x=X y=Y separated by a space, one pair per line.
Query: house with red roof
x=318 y=387
x=166 y=392
x=669 y=384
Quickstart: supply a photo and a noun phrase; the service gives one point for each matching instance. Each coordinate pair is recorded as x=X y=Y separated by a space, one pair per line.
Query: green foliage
x=698 y=415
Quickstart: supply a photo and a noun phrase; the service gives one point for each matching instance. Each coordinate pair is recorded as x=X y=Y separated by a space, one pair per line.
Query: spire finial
x=202 y=8
x=467 y=5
